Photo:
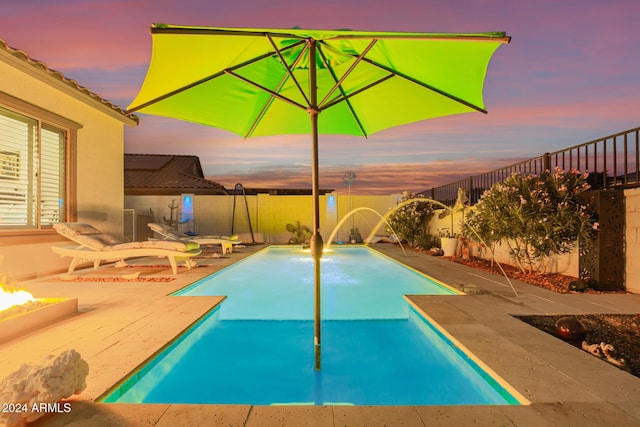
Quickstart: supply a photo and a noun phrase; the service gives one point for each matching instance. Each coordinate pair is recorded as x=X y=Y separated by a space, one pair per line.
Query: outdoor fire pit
x=28 y=314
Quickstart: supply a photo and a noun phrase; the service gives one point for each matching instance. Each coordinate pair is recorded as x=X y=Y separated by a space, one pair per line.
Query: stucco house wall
x=95 y=158
x=632 y=240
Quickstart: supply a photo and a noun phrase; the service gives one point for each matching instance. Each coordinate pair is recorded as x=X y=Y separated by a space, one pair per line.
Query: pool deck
x=121 y=324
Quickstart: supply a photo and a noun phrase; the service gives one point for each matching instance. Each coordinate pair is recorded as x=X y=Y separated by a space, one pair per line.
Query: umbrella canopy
x=257 y=82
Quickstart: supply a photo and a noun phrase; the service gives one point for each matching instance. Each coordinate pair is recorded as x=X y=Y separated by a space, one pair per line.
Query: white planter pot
x=449 y=245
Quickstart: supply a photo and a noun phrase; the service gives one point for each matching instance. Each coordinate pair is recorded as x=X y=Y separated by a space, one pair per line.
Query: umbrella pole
x=317 y=245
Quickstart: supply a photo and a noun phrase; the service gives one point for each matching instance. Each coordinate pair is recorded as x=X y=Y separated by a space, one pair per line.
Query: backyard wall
x=568 y=264
x=269 y=214
x=564 y=264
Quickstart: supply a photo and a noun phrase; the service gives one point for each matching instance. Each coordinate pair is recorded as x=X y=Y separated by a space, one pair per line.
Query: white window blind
x=31 y=172
x=51 y=175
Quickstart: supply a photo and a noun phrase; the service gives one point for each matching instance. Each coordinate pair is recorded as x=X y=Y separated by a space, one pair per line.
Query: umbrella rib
x=425 y=85
x=263 y=88
x=208 y=78
x=498 y=37
x=362 y=89
x=259 y=117
x=348 y=72
x=163 y=29
x=284 y=62
x=344 y=95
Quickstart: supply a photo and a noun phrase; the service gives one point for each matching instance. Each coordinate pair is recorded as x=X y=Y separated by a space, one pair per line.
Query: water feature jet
x=429 y=200
x=368 y=239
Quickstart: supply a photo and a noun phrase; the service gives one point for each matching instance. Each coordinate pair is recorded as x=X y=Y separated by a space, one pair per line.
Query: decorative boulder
x=571 y=329
x=578 y=286
x=436 y=252
x=35 y=389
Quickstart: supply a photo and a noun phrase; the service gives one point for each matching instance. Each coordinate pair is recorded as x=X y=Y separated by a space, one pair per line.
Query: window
x=32 y=172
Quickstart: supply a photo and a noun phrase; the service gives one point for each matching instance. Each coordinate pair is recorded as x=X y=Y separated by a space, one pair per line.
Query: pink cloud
x=383 y=178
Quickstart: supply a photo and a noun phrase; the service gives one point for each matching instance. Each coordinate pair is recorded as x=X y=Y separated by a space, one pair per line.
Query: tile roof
x=41 y=66
x=164 y=174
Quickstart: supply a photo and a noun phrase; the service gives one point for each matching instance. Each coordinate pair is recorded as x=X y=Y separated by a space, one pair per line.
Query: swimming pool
x=256 y=347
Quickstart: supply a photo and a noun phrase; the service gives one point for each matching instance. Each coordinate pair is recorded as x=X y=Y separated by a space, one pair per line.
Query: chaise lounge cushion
x=86 y=235
x=97 y=246
x=91 y=237
x=170 y=244
x=166 y=231
x=169 y=232
x=73 y=228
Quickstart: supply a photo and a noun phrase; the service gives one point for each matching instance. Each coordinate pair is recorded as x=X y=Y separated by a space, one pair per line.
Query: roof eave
x=56 y=79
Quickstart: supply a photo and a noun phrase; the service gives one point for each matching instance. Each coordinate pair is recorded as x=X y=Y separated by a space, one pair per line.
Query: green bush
x=408 y=221
x=536 y=216
x=428 y=241
x=301 y=233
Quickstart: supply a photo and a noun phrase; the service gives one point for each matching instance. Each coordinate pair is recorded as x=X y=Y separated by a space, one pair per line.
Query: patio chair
x=382 y=239
x=169 y=233
x=93 y=245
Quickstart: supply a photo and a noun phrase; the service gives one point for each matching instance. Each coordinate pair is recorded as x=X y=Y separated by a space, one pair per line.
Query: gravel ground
x=621 y=331
x=554 y=282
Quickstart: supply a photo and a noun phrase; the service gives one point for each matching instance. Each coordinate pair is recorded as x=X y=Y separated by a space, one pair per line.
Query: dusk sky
x=571 y=74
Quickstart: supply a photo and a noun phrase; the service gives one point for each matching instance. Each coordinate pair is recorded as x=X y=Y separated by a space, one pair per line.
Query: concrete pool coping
x=121 y=324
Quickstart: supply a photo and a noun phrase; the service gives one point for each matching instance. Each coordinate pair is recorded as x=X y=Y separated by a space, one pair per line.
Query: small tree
x=409 y=220
x=536 y=216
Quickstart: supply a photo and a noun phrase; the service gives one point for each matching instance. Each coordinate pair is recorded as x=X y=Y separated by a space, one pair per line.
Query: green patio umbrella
x=257 y=82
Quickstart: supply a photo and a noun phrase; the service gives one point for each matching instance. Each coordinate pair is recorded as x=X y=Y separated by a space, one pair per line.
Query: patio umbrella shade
x=258 y=82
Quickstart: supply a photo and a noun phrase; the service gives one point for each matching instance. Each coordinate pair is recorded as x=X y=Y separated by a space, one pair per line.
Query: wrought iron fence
x=612 y=162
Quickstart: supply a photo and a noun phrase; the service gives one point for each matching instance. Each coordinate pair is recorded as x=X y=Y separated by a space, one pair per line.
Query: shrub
x=301 y=233
x=409 y=219
x=536 y=216
x=427 y=241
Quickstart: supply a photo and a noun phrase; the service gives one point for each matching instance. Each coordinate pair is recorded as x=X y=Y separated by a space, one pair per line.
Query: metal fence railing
x=612 y=162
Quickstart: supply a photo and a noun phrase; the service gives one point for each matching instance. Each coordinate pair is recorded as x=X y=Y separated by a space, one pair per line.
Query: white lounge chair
x=170 y=233
x=382 y=239
x=93 y=245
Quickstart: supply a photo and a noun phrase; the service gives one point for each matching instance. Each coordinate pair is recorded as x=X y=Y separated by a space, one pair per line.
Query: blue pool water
x=277 y=284
x=257 y=347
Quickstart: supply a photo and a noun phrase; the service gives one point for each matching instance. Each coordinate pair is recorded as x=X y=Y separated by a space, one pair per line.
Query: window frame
x=70 y=127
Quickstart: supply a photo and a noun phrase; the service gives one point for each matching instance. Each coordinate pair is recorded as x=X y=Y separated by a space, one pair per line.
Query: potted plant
x=448 y=241
x=355 y=236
